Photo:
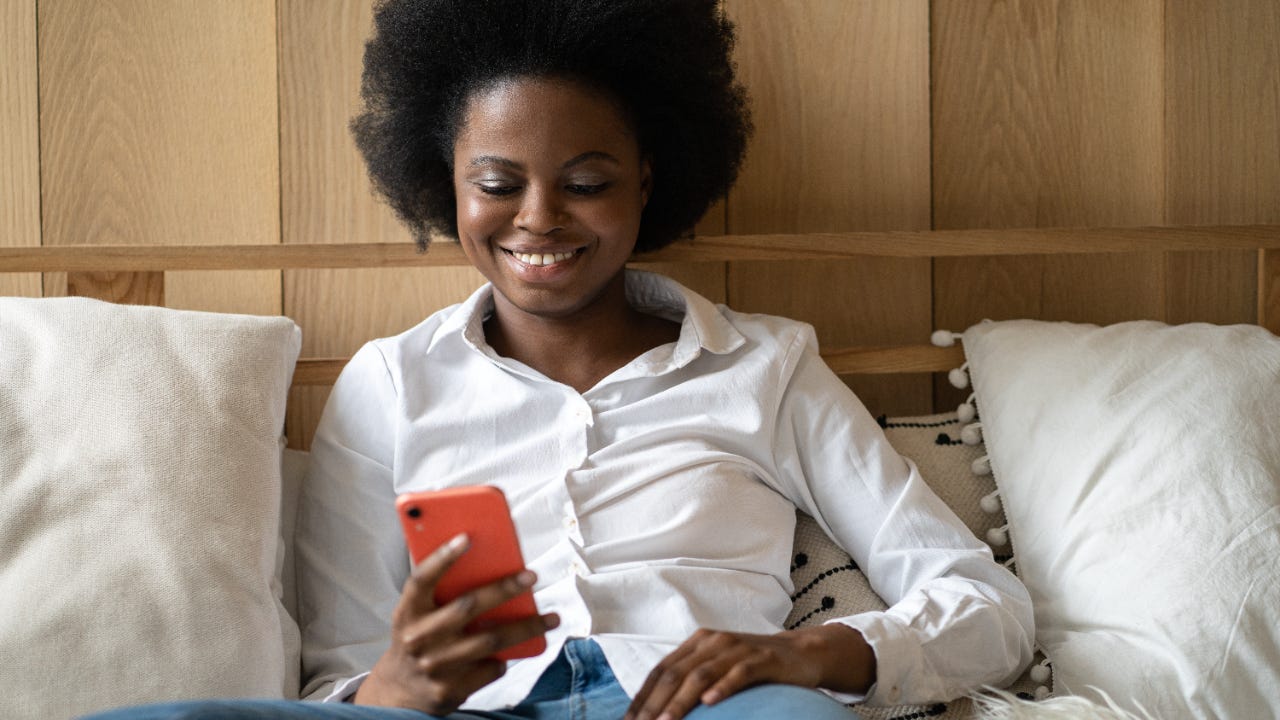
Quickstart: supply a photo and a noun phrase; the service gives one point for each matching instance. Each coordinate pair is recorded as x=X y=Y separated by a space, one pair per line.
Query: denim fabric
x=578 y=686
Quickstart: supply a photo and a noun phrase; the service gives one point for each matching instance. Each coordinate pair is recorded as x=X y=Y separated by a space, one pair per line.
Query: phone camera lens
x=414 y=512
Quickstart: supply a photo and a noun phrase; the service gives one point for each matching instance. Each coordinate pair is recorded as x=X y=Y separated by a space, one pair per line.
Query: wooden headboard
x=136 y=274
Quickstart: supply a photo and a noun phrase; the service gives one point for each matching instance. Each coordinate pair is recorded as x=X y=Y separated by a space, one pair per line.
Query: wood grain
x=844 y=361
x=19 y=139
x=682 y=254
x=1269 y=290
x=1222 y=70
x=158 y=124
x=841 y=107
x=130 y=288
x=1047 y=114
x=327 y=198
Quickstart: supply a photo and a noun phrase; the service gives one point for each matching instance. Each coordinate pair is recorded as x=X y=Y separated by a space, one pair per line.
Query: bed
x=1129 y=473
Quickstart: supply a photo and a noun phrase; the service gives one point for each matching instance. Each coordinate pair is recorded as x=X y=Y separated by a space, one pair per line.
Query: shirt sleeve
x=957 y=620
x=351 y=559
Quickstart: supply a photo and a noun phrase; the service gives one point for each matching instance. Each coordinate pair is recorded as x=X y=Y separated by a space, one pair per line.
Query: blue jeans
x=578 y=686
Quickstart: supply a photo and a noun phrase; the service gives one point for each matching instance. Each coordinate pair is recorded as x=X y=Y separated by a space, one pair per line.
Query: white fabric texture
x=1139 y=466
x=660 y=501
x=828 y=584
x=139 y=494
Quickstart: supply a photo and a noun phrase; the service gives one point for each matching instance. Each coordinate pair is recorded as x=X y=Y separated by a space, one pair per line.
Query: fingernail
x=711 y=697
x=459 y=542
x=526 y=578
x=665 y=716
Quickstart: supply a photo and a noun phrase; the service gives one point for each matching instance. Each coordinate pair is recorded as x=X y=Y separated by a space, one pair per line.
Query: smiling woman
x=654 y=448
x=550 y=185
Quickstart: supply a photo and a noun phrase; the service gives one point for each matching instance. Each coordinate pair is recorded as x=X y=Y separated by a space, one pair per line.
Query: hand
x=710 y=666
x=433 y=665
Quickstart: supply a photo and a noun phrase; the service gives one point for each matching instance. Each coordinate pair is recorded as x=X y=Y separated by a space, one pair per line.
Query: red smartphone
x=432 y=518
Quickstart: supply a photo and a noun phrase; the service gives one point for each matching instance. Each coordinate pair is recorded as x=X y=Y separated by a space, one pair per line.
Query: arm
x=367 y=624
x=958 y=620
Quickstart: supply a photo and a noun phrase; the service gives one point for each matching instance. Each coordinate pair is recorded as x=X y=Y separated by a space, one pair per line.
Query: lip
x=542 y=249
x=541 y=273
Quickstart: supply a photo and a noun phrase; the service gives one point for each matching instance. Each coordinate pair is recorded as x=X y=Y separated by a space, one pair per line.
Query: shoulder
x=438 y=337
x=784 y=338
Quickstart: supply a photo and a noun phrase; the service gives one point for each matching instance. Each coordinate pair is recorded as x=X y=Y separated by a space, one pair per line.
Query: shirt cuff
x=345 y=690
x=898 y=657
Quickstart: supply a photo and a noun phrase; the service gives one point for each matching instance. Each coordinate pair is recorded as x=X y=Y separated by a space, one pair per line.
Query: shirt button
x=571 y=522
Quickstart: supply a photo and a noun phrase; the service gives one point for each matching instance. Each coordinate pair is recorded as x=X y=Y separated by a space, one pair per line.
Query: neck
x=582 y=348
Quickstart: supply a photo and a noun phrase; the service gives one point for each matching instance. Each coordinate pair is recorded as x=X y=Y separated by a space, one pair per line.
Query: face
x=550 y=185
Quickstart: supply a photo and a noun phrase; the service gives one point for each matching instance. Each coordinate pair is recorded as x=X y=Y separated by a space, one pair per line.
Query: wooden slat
x=893 y=360
x=158 y=124
x=19 y=139
x=817 y=246
x=843 y=361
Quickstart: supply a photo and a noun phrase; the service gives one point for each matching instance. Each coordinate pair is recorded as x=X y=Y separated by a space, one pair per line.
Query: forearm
x=846 y=662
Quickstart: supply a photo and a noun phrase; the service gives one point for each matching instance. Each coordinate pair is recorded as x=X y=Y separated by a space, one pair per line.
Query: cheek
x=477 y=218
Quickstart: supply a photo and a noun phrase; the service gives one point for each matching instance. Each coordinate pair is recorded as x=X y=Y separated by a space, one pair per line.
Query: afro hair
x=667 y=63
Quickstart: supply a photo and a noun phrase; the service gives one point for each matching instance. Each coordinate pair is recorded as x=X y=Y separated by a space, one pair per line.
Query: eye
x=583 y=189
x=497 y=190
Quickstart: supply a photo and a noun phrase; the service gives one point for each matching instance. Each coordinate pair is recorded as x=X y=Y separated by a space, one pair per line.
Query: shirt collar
x=702 y=325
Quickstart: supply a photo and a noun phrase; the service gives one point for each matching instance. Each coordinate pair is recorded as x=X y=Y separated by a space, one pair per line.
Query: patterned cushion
x=827 y=582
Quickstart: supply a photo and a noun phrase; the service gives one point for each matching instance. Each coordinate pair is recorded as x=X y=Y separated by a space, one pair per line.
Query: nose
x=541 y=212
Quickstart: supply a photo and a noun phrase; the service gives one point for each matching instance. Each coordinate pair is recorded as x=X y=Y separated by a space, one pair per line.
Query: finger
x=741 y=676
x=479 y=647
x=698 y=679
x=451 y=618
x=476 y=676
x=418 y=595
x=445 y=692
x=686 y=648
x=676 y=686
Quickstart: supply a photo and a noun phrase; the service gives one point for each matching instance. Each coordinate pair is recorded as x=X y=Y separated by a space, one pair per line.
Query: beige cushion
x=139 y=506
x=827 y=582
x=1140 y=470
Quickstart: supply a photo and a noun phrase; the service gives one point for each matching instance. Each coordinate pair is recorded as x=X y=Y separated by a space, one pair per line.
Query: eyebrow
x=498 y=160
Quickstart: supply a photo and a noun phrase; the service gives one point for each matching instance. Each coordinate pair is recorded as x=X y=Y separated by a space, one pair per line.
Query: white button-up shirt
x=660 y=501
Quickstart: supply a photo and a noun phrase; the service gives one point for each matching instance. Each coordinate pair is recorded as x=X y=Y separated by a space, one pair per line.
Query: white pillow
x=1139 y=465
x=139 y=506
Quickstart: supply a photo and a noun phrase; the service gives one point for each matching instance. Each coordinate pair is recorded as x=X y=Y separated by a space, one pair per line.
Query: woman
x=653 y=446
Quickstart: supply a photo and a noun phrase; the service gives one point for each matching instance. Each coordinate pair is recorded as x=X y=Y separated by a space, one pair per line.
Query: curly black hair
x=666 y=63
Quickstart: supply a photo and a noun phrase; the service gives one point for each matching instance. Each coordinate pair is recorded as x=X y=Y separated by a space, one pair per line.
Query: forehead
x=543 y=115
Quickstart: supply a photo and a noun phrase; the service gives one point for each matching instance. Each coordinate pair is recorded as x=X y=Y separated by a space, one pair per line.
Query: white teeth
x=540 y=259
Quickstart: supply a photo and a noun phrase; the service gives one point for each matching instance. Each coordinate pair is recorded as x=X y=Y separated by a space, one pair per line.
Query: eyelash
x=576 y=189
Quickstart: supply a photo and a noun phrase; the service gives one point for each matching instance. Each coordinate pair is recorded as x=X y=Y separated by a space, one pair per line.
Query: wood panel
x=1269 y=290
x=840 y=99
x=159 y=125
x=1047 y=114
x=326 y=197
x=130 y=288
x=19 y=139
x=1222 y=70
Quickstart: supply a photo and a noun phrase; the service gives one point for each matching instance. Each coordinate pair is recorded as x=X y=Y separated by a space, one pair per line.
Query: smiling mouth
x=542 y=259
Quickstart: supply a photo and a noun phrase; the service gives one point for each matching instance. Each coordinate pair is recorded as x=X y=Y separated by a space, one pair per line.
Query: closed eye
x=498 y=190
x=587 y=189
